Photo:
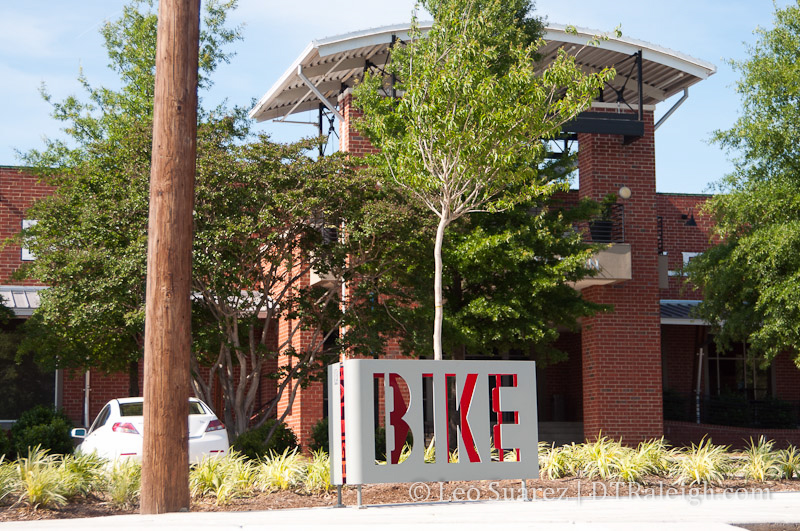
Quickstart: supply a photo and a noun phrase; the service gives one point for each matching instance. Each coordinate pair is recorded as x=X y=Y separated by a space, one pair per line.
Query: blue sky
x=51 y=41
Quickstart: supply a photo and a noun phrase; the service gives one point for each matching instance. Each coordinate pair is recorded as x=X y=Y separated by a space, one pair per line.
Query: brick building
x=636 y=372
x=645 y=369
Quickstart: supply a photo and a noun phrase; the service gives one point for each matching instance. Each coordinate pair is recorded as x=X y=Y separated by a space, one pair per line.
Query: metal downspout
x=86 y=390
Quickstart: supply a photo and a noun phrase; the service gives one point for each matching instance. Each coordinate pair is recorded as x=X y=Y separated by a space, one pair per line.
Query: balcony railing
x=732 y=410
x=609 y=227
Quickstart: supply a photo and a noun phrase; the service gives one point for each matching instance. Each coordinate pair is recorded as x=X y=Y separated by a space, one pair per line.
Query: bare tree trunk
x=438 y=313
x=165 y=452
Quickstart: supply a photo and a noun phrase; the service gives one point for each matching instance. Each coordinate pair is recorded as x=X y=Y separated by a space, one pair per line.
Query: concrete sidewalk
x=684 y=513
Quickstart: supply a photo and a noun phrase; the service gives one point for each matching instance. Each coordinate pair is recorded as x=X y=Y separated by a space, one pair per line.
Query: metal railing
x=732 y=410
x=608 y=227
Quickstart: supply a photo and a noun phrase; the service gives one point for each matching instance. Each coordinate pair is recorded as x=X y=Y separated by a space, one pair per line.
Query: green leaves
x=90 y=239
x=751 y=277
x=466 y=136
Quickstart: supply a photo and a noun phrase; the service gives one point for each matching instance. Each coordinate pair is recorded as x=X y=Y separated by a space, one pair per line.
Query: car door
x=95 y=435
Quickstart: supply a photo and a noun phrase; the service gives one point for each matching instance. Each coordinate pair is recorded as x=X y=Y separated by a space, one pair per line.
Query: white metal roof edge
x=383 y=34
x=652 y=52
x=22 y=288
x=368 y=37
x=281 y=83
x=683 y=322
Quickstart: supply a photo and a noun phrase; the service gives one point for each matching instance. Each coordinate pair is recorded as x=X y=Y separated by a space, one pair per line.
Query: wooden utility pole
x=165 y=464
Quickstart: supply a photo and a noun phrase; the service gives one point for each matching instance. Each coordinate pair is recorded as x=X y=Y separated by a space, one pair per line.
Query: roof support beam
x=648 y=90
x=672 y=109
x=308 y=93
x=317 y=93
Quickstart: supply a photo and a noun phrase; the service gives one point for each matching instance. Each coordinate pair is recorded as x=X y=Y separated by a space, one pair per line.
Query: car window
x=136 y=409
x=131 y=409
x=101 y=419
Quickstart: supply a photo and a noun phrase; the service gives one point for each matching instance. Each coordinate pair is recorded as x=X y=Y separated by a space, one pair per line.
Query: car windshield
x=136 y=409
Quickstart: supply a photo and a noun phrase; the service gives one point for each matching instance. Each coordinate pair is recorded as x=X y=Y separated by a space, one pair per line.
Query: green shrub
x=705 y=463
x=728 y=409
x=83 y=474
x=6 y=446
x=251 y=443
x=8 y=479
x=788 y=463
x=41 y=482
x=123 y=483
x=774 y=413
x=318 y=473
x=225 y=478
x=281 y=471
x=380 y=443
x=44 y=427
x=760 y=462
x=319 y=436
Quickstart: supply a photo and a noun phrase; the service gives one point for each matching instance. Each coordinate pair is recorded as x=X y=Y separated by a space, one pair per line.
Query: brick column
x=621 y=349
x=351 y=140
x=306 y=410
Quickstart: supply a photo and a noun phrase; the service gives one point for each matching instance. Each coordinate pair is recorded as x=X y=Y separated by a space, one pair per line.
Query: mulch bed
x=393 y=493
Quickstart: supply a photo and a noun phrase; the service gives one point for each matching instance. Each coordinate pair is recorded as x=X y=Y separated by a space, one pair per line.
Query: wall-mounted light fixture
x=690 y=222
x=625 y=192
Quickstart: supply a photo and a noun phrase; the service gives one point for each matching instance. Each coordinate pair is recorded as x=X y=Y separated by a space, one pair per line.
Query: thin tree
x=474 y=108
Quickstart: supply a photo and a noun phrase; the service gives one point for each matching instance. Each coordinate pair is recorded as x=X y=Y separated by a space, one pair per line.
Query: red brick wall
x=306 y=409
x=18 y=191
x=102 y=388
x=787 y=377
x=622 y=349
x=350 y=140
x=680 y=238
x=679 y=346
x=564 y=380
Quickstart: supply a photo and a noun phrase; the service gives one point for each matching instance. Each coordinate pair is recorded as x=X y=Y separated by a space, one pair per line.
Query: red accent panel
x=341 y=406
x=399 y=409
x=463 y=408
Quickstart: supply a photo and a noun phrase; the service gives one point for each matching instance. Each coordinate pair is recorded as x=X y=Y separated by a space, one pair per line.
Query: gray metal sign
x=485 y=409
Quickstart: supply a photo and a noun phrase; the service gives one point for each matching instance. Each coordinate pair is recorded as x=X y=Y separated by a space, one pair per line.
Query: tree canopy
x=266 y=215
x=91 y=236
x=751 y=277
x=466 y=133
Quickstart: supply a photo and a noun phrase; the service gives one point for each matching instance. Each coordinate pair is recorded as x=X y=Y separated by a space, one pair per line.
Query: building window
x=687 y=257
x=733 y=372
x=27 y=255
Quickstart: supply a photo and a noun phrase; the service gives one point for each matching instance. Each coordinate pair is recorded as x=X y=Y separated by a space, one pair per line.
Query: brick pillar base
x=305 y=412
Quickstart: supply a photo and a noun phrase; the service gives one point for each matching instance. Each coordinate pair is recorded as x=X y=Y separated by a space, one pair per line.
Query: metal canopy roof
x=329 y=66
x=23 y=300
x=680 y=312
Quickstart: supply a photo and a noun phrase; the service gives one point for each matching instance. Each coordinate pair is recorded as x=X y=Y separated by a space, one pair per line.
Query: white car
x=117 y=431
